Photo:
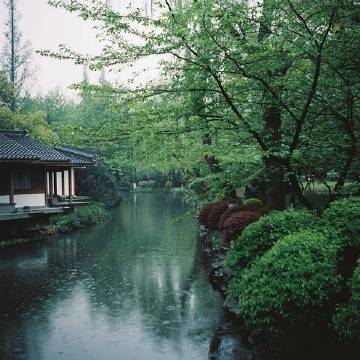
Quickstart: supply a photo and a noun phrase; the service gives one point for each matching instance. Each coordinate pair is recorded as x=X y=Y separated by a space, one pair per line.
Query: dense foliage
x=81 y=217
x=247 y=90
x=99 y=184
x=260 y=236
x=347 y=315
x=291 y=283
x=253 y=203
x=295 y=268
x=344 y=217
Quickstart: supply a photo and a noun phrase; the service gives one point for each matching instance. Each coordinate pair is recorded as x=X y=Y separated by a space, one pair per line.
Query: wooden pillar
x=74 y=182
x=70 y=186
x=63 y=182
x=46 y=187
x=51 y=183
x=55 y=183
x=12 y=186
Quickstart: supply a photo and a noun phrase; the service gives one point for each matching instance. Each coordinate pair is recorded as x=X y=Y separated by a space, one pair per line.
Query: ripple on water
x=134 y=288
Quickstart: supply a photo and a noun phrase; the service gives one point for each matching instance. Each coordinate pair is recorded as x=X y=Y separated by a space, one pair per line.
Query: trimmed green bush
x=81 y=217
x=290 y=284
x=253 y=203
x=261 y=235
x=347 y=316
x=148 y=184
x=344 y=216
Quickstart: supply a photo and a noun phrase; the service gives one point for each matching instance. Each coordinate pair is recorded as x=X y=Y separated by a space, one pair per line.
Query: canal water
x=134 y=288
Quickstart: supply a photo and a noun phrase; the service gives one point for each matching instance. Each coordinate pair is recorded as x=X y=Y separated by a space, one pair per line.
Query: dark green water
x=134 y=288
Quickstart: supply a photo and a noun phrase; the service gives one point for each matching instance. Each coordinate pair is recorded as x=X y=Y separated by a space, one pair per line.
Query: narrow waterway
x=134 y=288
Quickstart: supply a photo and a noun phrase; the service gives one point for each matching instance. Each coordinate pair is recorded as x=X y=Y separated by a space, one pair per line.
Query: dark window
x=29 y=180
x=4 y=180
x=23 y=180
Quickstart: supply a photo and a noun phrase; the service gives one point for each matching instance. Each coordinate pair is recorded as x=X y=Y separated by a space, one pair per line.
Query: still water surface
x=134 y=288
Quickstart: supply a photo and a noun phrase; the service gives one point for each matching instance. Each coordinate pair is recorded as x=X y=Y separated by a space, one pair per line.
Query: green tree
x=259 y=76
x=16 y=55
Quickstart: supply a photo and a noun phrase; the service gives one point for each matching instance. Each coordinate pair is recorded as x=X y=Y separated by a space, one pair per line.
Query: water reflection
x=131 y=289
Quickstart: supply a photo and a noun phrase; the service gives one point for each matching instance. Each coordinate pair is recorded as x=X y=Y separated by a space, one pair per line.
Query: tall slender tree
x=16 y=54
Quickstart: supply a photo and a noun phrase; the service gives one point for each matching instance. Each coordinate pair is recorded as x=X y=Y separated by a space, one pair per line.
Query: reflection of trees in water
x=150 y=268
x=140 y=264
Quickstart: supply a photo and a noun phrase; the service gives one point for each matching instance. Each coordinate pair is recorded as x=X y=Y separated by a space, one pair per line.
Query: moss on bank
x=80 y=218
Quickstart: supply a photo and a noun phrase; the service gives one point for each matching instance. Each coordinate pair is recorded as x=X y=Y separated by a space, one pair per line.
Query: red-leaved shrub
x=204 y=213
x=237 y=221
x=231 y=209
x=215 y=213
x=209 y=214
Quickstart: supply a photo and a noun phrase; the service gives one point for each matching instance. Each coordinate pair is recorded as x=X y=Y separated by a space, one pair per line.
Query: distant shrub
x=215 y=213
x=148 y=184
x=344 y=216
x=260 y=236
x=289 y=284
x=253 y=203
x=168 y=185
x=347 y=316
x=81 y=217
x=237 y=221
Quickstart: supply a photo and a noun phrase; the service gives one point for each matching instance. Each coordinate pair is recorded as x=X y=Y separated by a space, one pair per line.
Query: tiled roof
x=18 y=146
x=83 y=152
x=78 y=156
x=11 y=150
x=43 y=151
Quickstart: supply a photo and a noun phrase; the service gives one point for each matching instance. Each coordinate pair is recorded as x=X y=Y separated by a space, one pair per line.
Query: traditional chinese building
x=36 y=178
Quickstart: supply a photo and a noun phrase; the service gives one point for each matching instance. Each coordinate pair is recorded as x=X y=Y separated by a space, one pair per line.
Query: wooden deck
x=56 y=207
x=33 y=212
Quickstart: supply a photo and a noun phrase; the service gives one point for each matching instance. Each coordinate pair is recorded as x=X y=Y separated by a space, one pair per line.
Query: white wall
x=66 y=180
x=29 y=200
x=59 y=183
x=48 y=183
x=73 y=181
x=4 y=199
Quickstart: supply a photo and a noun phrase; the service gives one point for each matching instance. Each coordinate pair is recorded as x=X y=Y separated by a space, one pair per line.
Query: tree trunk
x=211 y=160
x=344 y=172
x=349 y=127
x=12 y=50
x=273 y=168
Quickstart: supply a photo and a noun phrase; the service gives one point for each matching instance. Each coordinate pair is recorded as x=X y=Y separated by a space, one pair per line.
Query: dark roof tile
x=43 y=151
x=11 y=150
x=17 y=145
x=78 y=156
